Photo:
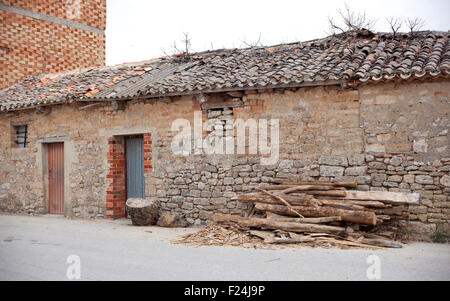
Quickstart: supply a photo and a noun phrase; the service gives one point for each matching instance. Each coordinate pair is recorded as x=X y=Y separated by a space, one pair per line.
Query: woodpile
x=317 y=213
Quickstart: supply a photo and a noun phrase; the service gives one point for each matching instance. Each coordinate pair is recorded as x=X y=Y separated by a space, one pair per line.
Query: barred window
x=21 y=135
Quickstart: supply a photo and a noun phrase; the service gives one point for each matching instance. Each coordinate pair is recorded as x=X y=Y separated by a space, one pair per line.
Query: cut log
x=319 y=234
x=383 y=217
x=143 y=212
x=311 y=220
x=368 y=204
x=348 y=243
x=276 y=187
x=342 y=205
x=381 y=242
x=297 y=200
x=386 y=234
x=306 y=188
x=371 y=204
x=267 y=236
x=358 y=235
x=384 y=196
x=397 y=210
x=251 y=211
x=282 y=201
x=337 y=183
x=286 y=240
x=359 y=217
x=334 y=193
x=263 y=223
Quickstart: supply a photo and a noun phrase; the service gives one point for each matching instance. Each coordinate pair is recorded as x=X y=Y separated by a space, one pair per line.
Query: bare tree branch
x=253 y=44
x=351 y=21
x=334 y=26
x=177 y=51
x=187 y=43
x=414 y=24
x=395 y=24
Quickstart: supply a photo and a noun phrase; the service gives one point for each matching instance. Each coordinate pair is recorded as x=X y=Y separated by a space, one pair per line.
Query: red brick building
x=50 y=36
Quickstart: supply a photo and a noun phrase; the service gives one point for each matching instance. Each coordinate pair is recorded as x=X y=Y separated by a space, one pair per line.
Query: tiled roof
x=361 y=57
x=63 y=87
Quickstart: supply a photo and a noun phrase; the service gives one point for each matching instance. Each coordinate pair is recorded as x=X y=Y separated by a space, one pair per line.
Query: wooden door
x=56 y=178
x=135 y=167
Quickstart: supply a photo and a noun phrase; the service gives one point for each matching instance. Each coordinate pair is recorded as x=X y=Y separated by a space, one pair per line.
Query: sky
x=143 y=29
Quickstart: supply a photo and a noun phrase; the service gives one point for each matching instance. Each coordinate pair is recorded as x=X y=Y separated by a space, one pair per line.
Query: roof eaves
x=341 y=82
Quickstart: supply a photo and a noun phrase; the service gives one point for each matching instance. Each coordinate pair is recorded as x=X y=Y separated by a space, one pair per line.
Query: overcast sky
x=139 y=29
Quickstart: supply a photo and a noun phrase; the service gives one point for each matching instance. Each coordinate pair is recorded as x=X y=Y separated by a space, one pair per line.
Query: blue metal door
x=135 y=168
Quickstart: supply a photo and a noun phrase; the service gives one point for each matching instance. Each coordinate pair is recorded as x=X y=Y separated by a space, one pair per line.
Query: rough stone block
x=417 y=209
x=377 y=165
x=357 y=159
x=187 y=206
x=331 y=171
x=396 y=161
x=333 y=161
x=409 y=179
x=445 y=180
x=364 y=180
x=228 y=181
x=285 y=164
x=395 y=178
x=378 y=177
x=205 y=215
x=356 y=171
x=424 y=179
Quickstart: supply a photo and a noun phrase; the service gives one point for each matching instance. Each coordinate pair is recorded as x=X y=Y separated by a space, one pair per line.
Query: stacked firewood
x=292 y=211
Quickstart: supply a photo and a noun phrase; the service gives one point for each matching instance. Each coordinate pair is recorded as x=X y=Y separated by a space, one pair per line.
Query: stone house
x=370 y=106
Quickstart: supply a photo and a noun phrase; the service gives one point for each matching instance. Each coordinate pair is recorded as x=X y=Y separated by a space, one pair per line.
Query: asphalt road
x=37 y=248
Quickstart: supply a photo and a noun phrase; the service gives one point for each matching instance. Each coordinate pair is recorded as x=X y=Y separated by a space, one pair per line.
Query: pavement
x=56 y=248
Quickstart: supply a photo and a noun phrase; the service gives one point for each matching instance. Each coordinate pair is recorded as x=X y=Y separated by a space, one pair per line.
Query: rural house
x=361 y=105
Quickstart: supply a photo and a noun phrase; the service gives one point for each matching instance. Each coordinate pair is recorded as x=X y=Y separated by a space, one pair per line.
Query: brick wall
x=147 y=153
x=92 y=12
x=116 y=191
x=30 y=46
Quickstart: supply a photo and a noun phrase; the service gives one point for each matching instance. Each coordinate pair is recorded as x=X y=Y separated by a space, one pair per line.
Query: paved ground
x=36 y=248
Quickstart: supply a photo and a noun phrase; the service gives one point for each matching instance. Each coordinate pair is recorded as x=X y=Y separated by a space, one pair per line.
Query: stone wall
x=388 y=136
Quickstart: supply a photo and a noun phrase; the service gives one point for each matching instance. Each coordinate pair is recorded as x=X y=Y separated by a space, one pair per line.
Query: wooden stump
x=143 y=212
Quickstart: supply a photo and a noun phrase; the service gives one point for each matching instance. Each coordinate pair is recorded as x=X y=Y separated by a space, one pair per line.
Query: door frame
x=63 y=178
x=42 y=167
x=125 y=138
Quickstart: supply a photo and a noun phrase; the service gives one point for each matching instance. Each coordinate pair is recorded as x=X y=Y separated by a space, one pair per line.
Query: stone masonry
x=390 y=137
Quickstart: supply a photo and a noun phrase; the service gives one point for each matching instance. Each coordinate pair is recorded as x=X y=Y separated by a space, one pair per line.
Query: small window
x=21 y=136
